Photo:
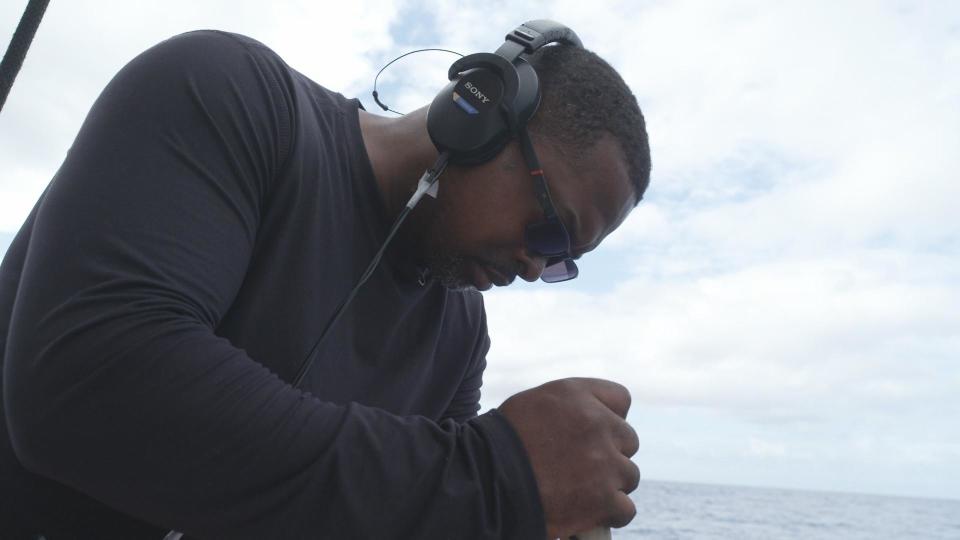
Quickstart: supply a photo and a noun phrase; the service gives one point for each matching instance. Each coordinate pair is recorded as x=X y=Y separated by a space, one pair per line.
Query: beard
x=453 y=270
x=445 y=265
x=449 y=270
x=449 y=265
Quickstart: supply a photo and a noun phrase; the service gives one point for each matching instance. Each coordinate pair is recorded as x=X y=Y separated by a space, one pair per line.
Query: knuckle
x=563 y=385
x=633 y=477
x=632 y=440
x=624 y=512
x=620 y=397
x=625 y=393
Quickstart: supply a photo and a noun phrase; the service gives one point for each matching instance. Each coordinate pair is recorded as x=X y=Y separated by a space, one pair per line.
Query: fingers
x=629 y=475
x=626 y=439
x=622 y=511
x=615 y=396
x=579 y=446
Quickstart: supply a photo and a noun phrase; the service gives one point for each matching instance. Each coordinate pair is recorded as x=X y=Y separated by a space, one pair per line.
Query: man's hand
x=579 y=446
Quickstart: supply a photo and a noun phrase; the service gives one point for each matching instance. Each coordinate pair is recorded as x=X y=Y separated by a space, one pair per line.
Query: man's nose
x=532 y=266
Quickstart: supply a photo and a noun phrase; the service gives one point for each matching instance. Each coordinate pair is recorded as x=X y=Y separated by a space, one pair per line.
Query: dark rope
x=17 y=50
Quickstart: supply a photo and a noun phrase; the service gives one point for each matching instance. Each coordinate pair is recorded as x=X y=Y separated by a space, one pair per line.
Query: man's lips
x=497 y=278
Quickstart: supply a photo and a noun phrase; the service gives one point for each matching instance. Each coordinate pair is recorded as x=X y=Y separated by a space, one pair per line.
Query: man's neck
x=400 y=151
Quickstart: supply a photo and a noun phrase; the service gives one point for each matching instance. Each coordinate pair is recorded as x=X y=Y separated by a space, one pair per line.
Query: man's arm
x=117 y=385
x=466 y=401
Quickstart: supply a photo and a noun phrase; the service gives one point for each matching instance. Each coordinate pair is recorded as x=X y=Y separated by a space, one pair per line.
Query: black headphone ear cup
x=459 y=122
x=466 y=118
x=491 y=96
x=528 y=93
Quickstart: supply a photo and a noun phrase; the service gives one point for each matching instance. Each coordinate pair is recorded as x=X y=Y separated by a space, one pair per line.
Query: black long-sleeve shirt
x=214 y=210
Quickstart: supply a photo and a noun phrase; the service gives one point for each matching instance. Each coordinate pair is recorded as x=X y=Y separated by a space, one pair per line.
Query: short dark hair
x=584 y=98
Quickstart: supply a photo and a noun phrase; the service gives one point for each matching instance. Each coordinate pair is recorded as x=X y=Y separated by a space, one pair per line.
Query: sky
x=783 y=305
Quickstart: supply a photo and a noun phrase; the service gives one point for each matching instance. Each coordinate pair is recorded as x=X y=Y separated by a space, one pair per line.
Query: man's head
x=585 y=99
x=591 y=141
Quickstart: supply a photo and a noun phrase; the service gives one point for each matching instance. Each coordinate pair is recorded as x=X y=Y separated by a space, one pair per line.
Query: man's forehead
x=595 y=195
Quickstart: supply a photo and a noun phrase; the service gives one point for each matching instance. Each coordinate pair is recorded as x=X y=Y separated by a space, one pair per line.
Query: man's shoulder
x=218 y=56
x=214 y=51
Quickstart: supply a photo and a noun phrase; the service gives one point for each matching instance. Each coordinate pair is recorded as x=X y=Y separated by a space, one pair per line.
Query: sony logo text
x=476 y=91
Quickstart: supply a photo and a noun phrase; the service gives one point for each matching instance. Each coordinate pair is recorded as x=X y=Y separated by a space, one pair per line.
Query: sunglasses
x=546 y=238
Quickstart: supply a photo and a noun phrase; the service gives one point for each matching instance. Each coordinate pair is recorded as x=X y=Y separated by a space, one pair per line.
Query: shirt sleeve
x=466 y=401
x=117 y=385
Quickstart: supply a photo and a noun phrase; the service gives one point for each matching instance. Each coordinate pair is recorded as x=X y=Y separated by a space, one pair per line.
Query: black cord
x=429 y=178
x=376 y=96
x=19 y=44
x=308 y=360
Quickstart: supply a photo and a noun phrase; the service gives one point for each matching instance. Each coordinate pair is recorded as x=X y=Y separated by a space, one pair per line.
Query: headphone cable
x=427 y=181
x=376 y=96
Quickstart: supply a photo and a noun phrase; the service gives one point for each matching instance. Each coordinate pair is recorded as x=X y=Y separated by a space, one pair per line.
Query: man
x=214 y=211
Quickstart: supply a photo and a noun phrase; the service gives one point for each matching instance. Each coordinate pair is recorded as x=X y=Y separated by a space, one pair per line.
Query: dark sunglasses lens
x=557 y=271
x=547 y=238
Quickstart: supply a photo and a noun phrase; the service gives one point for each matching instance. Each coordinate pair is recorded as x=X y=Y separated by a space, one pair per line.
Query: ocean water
x=677 y=510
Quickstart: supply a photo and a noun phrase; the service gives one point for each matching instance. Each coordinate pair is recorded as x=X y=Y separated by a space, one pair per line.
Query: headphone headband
x=492 y=95
x=531 y=35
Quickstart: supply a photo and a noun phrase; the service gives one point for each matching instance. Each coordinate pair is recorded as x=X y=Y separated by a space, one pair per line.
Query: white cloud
x=763 y=449
x=792 y=262
x=20 y=187
x=791 y=335
x=80 y=45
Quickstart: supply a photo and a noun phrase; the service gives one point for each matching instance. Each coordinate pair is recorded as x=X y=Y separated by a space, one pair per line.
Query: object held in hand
x=600 y=533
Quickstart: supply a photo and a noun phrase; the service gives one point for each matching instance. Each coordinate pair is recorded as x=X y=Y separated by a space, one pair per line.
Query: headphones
x=491 y=96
